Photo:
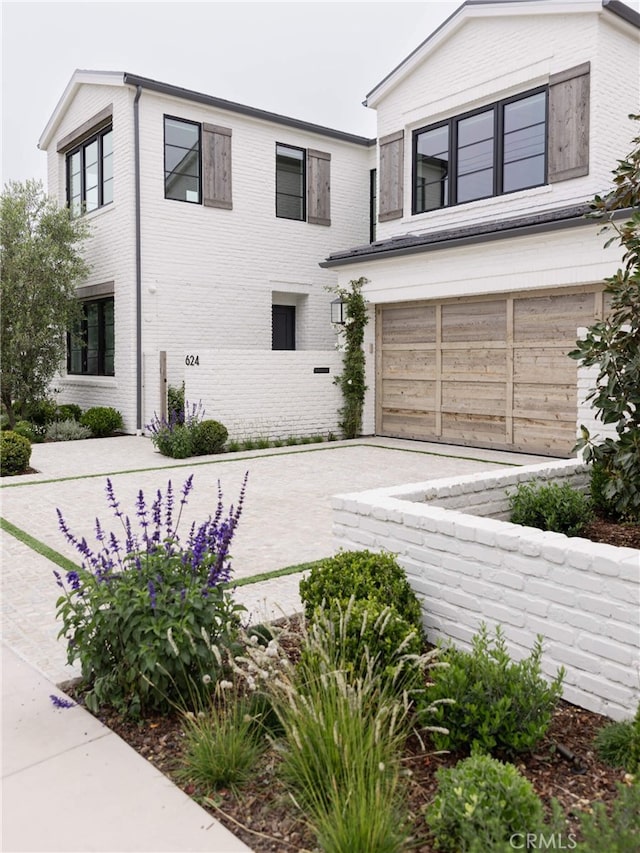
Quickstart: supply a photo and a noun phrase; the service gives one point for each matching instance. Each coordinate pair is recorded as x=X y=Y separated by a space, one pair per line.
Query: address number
x=192 y=360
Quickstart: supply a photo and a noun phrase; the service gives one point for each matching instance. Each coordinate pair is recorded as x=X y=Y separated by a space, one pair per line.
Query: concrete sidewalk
x=69 y=783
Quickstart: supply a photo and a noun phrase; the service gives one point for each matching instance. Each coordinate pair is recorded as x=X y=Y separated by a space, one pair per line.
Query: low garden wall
x=267 y=393
x=583 y=597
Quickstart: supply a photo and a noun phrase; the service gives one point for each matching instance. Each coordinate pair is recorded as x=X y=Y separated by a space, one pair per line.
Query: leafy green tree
x=40 y=266
x=613 y=344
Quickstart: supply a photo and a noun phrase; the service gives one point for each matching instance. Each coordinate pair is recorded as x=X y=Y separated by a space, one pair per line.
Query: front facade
x=218 y=227
x=492 y=138
x=208 y=220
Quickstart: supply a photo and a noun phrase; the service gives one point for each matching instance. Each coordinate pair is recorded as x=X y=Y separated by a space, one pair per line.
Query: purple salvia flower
x=58 y=579
x=73 y=579
x=152 y=595
x=58 y=702
x=111 y=499
x=169 y=510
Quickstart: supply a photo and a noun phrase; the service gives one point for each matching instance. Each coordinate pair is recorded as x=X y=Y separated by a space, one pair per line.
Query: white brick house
x=492 y=137
x=208 y=220
x=223 y=225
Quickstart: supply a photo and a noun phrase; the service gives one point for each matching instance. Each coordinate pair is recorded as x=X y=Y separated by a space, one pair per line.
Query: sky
x=314 y=61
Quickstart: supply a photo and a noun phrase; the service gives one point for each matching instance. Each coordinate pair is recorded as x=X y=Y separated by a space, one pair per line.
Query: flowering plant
x=142 y=612
x=352 y=379
x=187 y=433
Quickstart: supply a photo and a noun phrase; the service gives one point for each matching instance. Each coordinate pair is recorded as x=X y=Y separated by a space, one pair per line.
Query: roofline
x=518 y=227
x=615 y=6
x=252 y=112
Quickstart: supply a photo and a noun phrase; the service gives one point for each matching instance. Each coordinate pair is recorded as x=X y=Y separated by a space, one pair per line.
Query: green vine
x=351 y=380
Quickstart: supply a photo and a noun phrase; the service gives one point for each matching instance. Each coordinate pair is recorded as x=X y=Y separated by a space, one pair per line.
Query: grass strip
x=69 y=565
x=280 y=452
x=276 y=573
x=39 y=547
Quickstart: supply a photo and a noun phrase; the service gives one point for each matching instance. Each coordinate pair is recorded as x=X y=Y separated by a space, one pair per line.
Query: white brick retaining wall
x=267 y=393
x=583 y=597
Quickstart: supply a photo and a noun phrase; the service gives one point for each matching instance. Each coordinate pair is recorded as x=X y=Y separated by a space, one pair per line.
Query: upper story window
x=290 y=182
x=495 y=150
x=90 y=173
x=91 y=345
x=182 y=160
x=197 y=162
x=303 y=184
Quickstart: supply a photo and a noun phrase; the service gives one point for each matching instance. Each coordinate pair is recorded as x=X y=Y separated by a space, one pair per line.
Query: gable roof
x=488 y=8
x=124 y=78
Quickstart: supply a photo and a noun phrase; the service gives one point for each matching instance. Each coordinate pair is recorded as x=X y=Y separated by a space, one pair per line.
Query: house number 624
x=192 y=360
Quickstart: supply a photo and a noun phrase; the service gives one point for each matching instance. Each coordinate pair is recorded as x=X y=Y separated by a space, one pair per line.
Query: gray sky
x=314 y=61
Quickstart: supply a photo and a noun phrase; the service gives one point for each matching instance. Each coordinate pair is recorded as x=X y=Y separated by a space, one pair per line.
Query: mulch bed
x=266 y=819
x=612 y=533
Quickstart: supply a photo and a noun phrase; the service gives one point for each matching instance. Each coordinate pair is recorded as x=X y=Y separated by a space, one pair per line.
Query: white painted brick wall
x=587 y=377
x=267 y=394
x=583 y=597
x=525 y=49
x=209 y=276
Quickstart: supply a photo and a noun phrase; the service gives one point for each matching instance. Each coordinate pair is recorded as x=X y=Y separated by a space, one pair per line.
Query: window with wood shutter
x=216 y=166
x=318 y=187
x=569 y=124
x=390 y=199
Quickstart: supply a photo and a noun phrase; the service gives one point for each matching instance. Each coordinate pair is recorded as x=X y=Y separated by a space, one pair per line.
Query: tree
x=40 y=266
x=613 y=344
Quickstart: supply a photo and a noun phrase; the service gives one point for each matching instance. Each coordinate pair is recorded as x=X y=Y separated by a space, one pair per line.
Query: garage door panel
x=467 y=429
x=545 y=402
x=409 y=395
x=477 y=397
x=474 y=321
x=409 y=364
x=540 y=363
x=406 y=424
x=474 y=363
x=409 y=324
x=540 y=436
x=554 y=317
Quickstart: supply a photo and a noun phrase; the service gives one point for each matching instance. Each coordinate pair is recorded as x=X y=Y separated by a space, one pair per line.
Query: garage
x=487 y=371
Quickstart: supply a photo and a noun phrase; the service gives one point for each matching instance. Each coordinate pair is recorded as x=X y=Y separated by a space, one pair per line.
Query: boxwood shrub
x=102 y=421
x=15 y=453
x=208 y=437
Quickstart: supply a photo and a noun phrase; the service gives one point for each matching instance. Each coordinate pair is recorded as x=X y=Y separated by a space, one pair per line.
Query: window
x=90 y=173
x=90 y=347
x=283 y=327
x=495 y=150
x=372 y=204
x=181 y=160
x=290 y=182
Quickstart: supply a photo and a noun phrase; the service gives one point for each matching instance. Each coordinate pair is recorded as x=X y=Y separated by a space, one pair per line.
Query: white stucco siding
x=490 y=58
x=211 y=275
x=111 y=248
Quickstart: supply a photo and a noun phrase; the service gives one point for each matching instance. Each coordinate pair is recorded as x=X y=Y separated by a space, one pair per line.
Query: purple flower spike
x=59 y=702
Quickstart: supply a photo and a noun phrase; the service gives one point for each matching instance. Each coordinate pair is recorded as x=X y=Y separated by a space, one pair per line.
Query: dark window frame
x=303 y=196
x=197 y=124
x=498 y=108
x=373 y=204
x=81 y=334
x=81 y=148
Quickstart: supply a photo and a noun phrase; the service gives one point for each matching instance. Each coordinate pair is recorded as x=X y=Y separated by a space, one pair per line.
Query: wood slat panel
x=554 y=317
x=470 y=363
x=409 y=325
x=415 y=364
x=474 y=321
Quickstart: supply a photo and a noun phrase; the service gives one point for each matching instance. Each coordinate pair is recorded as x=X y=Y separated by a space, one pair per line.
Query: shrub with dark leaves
x=146 y=609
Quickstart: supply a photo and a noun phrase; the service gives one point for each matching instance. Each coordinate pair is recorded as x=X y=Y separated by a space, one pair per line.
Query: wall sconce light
x=338 y=311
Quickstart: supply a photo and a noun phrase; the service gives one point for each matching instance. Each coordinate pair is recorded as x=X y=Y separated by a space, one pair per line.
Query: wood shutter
x=318 y=187
x=390 y=200
x=216 y=166
x=569 y=124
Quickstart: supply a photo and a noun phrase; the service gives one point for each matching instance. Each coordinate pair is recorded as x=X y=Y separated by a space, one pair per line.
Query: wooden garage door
x=486 y=371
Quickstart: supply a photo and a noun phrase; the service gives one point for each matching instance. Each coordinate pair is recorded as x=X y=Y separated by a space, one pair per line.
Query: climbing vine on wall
x=351 y=380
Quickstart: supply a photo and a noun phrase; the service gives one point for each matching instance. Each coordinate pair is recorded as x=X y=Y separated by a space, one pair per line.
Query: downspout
x=136 y=148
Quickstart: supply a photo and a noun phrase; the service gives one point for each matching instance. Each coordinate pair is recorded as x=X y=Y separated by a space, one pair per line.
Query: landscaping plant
x=613 y=346
x=363 y=575
x=186 y=433
x=145 y=608
x=618 y=744
x=352 y=379
x=15 y=453
x=482 y=803
x=68 y=411
x=553 y=506
x=617 y=832
x=69 y=430
x=498 y=704
x=103 y=421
